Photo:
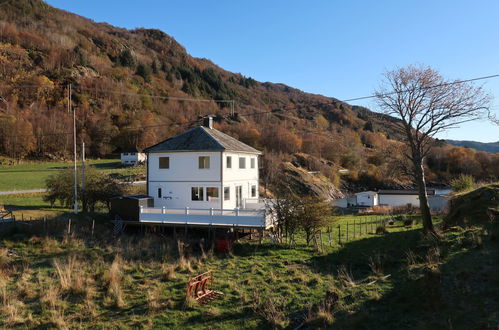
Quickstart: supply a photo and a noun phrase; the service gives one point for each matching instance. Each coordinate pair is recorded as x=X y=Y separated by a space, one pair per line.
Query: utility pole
x=83 y=171
x=82 y=165
x=75 y=208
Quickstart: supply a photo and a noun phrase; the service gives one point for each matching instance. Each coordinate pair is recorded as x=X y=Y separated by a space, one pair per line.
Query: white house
x=132 y=156
x=393 y=198
x=400 y=197
x=203 y=172
x=367 y=198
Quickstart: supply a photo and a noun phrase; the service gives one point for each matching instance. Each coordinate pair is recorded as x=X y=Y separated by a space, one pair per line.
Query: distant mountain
x=492 y=147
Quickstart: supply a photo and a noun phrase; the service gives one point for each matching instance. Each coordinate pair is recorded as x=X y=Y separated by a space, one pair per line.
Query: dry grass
x=272 y=309
x=345 y=277
x=433 y=255
x=169 y=271
x=153 y=299
x=184 y=265
x=50 y=297
x=114 y=278
x=376 y=265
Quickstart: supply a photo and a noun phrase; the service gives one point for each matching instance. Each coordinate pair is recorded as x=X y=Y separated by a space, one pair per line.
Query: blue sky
x=334 y=48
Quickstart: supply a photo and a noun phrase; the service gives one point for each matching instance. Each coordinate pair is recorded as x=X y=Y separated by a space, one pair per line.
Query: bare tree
x=427 y=104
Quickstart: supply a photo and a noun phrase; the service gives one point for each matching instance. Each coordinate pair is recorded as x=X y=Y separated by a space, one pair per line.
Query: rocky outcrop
x=304 y=183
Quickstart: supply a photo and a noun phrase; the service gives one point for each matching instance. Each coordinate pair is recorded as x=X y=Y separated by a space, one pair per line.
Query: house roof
x=404 y=192
x=133 y=149
x=202 y=139
x=367 y=192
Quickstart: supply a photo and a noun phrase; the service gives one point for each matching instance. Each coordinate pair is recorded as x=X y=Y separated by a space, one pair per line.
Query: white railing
x=212 y=216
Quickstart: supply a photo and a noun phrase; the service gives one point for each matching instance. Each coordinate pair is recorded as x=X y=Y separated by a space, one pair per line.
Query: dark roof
x=202 y=139
x=404 y=192
x=133 y=149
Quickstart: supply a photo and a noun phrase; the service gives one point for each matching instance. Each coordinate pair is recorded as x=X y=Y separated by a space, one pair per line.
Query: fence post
x=339 y=234
x=69 y=226
x=329 y=236
x=354 y=224
x=93 y=227
x=348 y=225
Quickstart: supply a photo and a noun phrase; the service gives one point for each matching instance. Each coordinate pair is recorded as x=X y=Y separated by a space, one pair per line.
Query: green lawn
x=391 y=281
x=396 y=280
x=32 y=175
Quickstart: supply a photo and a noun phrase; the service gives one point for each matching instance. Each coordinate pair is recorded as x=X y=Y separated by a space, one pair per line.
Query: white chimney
x=208 y=122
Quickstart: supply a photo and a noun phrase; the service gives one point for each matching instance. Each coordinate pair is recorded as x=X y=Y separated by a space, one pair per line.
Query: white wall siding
x=184 y=166
x=398 y=200
x=128 y=158
x=237 y=174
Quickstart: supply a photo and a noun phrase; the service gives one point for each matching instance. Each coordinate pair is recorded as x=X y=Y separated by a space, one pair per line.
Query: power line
x=423 y=88
x=218 y=101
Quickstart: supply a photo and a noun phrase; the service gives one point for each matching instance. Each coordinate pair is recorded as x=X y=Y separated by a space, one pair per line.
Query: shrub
x=463 y=183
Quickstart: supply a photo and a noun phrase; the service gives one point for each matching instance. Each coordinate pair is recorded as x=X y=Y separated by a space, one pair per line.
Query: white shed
x=401 y=197
x=367 y=198
x=132 y=156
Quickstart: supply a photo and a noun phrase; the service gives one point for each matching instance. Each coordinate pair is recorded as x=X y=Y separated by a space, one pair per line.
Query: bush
x=463 y=183
x=98 y=188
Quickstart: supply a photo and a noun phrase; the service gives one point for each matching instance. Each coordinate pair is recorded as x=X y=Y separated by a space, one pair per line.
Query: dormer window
x=204 y=162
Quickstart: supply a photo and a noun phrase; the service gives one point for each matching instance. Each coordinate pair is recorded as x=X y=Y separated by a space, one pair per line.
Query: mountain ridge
x=492 y=147
x=134 y=88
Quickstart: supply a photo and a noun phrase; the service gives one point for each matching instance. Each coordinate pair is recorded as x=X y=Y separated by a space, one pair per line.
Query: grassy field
x=32 y=175
x=395 y=280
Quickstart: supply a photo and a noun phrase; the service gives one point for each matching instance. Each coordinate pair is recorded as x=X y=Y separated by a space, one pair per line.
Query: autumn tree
x=313 y=215
x=427 y=104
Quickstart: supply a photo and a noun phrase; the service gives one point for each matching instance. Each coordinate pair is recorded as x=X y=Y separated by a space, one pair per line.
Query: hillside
x=492 y=147
x=137 y=87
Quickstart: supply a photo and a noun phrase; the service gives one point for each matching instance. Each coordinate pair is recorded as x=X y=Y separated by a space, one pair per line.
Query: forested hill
x=492 y=147
x=137 y=87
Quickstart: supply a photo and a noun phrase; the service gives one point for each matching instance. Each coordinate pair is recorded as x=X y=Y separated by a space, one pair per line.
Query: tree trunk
x=423 y=197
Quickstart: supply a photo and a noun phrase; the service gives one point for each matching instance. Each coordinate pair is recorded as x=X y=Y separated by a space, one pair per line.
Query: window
x=132 y=154
x=204 y=162
x=125 y=154
x=253 y=190
x=197 y=193
x=164 y=162
x=242 y=162
x=212 y=194
x=229 y=162
x=252 y=162
x=226 y=193
x=159 y=192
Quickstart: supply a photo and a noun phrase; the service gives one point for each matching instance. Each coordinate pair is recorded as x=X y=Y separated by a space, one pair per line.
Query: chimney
x=208 y=122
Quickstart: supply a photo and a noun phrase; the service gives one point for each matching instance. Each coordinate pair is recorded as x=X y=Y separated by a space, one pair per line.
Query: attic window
x=164 y=162
x=204 y=162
